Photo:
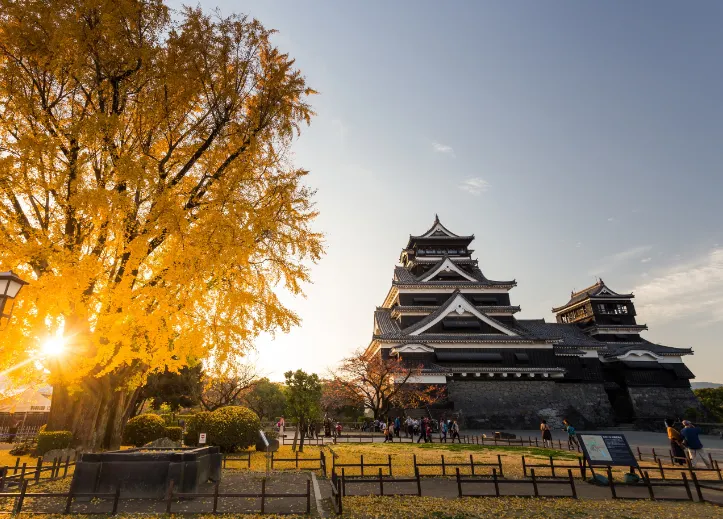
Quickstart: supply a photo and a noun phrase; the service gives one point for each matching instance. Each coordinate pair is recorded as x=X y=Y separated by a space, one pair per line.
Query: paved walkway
x=644 y=439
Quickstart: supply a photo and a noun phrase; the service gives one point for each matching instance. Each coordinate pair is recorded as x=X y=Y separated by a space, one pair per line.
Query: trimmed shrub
x=143 y=429
x=233 y=427
x=174 y=433
x=195 y=425
x=51 y=440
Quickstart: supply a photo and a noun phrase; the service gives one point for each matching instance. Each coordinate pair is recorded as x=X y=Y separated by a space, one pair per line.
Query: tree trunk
x=95 y=414
x=302 y=426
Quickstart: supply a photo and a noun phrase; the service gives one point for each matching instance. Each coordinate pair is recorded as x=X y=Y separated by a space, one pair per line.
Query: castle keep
x=591 y=365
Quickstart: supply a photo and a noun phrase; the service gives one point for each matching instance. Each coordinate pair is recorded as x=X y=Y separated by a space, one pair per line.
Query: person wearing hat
x=691 y=439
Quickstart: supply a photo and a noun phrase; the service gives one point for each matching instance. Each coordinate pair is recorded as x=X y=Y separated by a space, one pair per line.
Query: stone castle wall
x=653 y=404
x=490 y=404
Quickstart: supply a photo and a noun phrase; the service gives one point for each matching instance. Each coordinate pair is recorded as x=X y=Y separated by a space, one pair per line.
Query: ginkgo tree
x=147 y=194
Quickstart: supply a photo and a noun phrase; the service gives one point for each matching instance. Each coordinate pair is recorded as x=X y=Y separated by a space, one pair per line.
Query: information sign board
x=202 y=438
x=263 y=438
x=607 y=449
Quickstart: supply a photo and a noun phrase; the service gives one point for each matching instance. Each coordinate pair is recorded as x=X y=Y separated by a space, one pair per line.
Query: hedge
x=51 y=440
x=195 y=425
x=233 y=427
x=143 y=429
x=174 y=433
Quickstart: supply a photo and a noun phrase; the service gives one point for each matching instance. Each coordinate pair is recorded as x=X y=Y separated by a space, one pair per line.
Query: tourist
x=388 y=433
x=546 y=434
x=410 y=427
x=443 y=428
x=397 y=426
x=455 y=431
x=422 y=431
x=571 y=435
x=691 y=440
x=428 y=432
x=676 y=443
x=281 y=424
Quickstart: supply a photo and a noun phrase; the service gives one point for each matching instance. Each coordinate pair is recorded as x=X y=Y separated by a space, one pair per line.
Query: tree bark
x=95 y=414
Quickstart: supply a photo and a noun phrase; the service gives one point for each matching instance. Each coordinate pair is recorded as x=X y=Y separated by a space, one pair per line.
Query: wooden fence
x=444 y=465
x=170 y=496
x=298 y=461
x=21 y=474
x=496 y=481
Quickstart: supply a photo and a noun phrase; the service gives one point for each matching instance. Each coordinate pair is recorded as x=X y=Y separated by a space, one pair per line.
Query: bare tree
x=224 y=387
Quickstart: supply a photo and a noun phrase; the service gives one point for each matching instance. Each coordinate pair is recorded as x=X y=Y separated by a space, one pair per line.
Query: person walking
x=676 y=443
x=388 y=433
x=428 y=432
x=691 y=440
x=571 y=435
x=410 y=427
x=397 y=426
x=443 y=428
x=546 y=434
x=422 y=431
x=455 y=431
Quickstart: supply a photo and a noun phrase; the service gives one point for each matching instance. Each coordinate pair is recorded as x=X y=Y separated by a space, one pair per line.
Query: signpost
x=202 y=438
x=607 y=450
x=268 y=451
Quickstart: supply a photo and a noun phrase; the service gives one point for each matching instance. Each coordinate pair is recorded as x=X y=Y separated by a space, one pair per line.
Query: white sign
x=202 y=438
x=263 y=438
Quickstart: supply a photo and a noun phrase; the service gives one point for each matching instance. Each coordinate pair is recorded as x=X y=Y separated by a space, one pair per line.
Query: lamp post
x=10 y=285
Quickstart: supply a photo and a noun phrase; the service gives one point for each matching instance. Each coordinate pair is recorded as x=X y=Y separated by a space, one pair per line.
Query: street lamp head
x=10 y=285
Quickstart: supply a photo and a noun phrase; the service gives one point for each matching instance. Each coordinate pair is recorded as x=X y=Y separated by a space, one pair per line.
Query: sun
x=54 y=346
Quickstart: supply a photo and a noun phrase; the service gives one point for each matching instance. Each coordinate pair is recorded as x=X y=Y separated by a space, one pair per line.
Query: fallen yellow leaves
x=515 y=507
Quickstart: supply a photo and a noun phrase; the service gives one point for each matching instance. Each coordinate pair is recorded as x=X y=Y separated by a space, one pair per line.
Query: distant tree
x=336 y=400
x=224 y=387
x=302 y=399
x=712 y=400
x=182 y=389
x=381 y=383
x=267 y=399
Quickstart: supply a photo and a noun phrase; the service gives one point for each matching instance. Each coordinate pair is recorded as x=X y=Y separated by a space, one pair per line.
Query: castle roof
x=598 y=290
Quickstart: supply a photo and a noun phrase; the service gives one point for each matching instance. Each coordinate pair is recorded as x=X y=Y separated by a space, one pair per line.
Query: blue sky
x=573 y=138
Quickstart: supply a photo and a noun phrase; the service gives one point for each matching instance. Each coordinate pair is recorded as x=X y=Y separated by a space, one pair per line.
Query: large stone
x=61 y=454
x=163 y=443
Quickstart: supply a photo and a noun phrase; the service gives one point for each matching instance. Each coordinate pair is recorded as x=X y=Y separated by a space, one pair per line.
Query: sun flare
x=54 y=346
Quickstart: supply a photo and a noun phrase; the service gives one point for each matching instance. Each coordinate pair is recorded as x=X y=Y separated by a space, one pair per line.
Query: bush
x=51 y=440
x=233 y=427
x=195 y=425
x=143 y=429
x=174 y=433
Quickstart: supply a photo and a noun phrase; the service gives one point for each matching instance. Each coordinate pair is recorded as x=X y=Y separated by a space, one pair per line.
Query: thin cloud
x=614 y=260
x=611 y=219
x=688 y=290
x=438 y=147
x=645 y=260
x=474 y=186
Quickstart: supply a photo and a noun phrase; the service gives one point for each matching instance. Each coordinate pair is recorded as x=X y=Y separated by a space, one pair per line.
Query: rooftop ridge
x=598 y=283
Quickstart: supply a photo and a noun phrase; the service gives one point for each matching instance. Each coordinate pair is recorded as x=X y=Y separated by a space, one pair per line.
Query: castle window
x=612 y=309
